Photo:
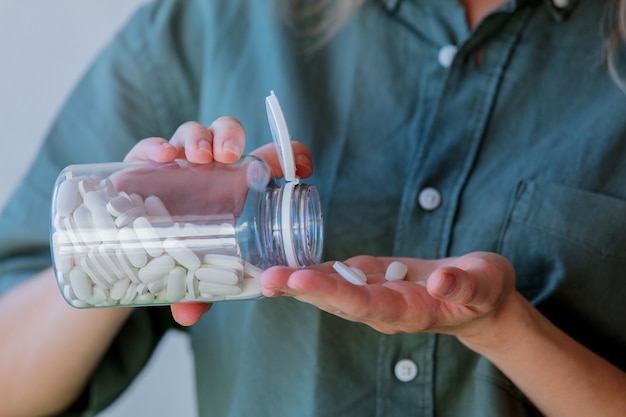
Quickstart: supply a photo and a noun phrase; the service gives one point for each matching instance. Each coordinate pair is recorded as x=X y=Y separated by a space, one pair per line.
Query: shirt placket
x=442 y=164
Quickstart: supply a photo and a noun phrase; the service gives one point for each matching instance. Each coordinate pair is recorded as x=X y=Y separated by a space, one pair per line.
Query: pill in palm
x=396 y=271
x=360 y=273
x=348 y=274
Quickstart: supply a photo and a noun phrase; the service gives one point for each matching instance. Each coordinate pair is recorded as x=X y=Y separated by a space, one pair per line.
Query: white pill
x=396 y=271
x=90 y=270
x=252 y=271
x=63 y=260
x=67 y=197
x=229 y=261
x=109 y=259
x=250 y=288
x=134 y=250
x=88 y=184
x=104 y=224
x=85 y=227
x=126 y=266
x=156 y=210
x=218 y=289
x=71 y=232
x=68 y=293
x=94 y=200
x=218 y=275
x=119 y=289
x=128 y=217
x=118 y=205
x=81 y=284
x=137 y=201
x=183 y=255
x=156 y=287
x=145 y=298
x=192 y=285
x=100 y=268
x=156 y=268
x=176 y=285
x=131 y=293
x=142 y=288
x=360 y=273
x=148 y=237
x=99 y=297
x=108 y=187
x=348 y=274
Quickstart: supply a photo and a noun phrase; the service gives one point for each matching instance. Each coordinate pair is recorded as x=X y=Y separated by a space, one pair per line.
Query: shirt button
x=405 y=370
x=429 y=198
x=446 y=54
x=561 y=4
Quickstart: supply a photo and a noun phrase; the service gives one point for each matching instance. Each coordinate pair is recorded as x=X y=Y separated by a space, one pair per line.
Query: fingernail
x=233 y=147
x=205 y=146
x=304 y=163
x=448 y=285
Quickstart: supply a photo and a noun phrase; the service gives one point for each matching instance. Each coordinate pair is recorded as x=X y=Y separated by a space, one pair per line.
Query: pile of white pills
x=111 y=248
x=396 y=271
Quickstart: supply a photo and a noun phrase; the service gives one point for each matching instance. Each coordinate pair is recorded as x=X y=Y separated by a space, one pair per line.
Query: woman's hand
x=454 y=295
x=223 y=141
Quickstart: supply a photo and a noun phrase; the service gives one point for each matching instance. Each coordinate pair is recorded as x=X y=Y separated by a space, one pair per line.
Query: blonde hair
x=616 y=38
x=318 y=21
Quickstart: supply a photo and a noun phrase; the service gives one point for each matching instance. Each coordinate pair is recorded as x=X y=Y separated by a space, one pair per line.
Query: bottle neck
x=290 y=226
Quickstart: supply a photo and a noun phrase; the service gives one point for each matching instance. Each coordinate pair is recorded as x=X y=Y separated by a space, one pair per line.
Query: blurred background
x=45 y=46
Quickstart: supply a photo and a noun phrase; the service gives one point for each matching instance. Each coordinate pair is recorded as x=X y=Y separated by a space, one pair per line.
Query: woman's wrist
x=502 y=330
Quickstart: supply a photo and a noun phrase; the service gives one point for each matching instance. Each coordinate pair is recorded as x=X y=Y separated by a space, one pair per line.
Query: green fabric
x=523 y=136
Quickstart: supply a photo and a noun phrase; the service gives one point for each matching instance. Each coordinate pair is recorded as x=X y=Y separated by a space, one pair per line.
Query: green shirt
x=428 y=140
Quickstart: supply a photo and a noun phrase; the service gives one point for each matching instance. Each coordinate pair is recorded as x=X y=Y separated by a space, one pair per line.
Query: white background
x=44 y=48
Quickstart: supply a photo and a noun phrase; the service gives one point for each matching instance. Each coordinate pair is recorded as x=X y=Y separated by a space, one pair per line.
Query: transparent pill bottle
x=146 y=233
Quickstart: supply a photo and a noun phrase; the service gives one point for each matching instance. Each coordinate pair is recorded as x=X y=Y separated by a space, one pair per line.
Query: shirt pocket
x=568 y=247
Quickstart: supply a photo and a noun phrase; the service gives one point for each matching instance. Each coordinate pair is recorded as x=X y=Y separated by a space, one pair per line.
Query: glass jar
x=146 y=233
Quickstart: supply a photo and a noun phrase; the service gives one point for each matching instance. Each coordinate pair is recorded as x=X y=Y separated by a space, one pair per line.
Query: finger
x=474 y=280
x=302 y=158
x=152 y=149
x=333 y=294
x=229 y=139
x=194 y=142
x=187 y=314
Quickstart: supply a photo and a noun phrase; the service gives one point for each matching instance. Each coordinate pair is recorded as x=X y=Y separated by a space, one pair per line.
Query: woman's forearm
x=559 y=375
x=48 y=348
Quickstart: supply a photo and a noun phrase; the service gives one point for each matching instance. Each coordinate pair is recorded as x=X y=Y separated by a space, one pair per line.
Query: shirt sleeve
x=117 y=102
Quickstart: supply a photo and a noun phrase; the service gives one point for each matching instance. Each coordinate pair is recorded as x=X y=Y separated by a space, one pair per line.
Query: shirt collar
x=560 y=9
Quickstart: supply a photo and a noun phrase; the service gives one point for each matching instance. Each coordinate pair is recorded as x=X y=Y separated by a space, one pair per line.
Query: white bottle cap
x=281 y=136
x=282 y=139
